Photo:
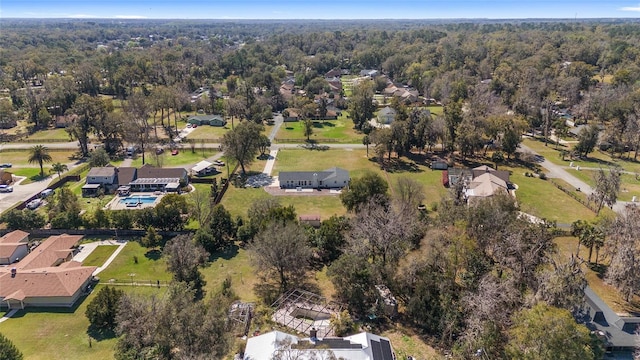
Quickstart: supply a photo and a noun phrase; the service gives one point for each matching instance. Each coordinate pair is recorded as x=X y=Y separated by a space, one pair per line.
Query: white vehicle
x=46 y=193
x=6 y=189
x=33 y=204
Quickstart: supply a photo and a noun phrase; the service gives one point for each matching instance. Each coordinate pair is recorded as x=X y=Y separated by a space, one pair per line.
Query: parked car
x=218 y=163
x=189 y=126
x=33 y=204
x=159 y=151
x=6 y=165
x=45 y=193
x=6 y=189
x=174 y=152
x=194 y=126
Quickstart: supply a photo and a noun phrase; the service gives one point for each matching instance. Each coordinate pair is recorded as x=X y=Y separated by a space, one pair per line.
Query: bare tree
x=382 y=233
x=281 y=251
x=623 y=247
x=562 y=285
x=184 y=257
x=607 y=187
x=409 y=194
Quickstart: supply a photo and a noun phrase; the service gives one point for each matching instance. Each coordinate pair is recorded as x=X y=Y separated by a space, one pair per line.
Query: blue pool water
x=133 y=200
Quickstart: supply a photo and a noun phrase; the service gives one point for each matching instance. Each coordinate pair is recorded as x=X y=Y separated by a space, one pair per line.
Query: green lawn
x=541 y=198
x=212 y=134
x=238 y=200
x=340 y=130
x=184 y=157
x=99 y=255
x=50 y=134
x=236 y=264
x=31 y=174
x=61 y=334
x=150 y=265
x=21 y=157
x=629 y=188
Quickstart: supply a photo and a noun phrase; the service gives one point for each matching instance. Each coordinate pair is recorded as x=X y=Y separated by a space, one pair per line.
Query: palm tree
x=39 y=154
x=366 y=141
x=59 y=168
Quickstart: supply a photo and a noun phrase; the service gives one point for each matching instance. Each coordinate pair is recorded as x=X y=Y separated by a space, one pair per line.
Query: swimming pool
x=137 y=199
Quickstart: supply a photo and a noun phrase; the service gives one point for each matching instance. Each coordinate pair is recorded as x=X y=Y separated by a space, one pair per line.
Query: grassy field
x=541 y=198
x=62 y=334
x=184 y=157
x=18 y=158
x=234 y=263
x=150 y=265
x=99 y=255
x=340 y=130
x=406 y=342
x=238 y=200
x=630 y=186
x=211 y=133
x=596 y=159
x=50 y=134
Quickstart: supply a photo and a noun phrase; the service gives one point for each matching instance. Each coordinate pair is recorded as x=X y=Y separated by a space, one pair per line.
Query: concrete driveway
x=22 y=192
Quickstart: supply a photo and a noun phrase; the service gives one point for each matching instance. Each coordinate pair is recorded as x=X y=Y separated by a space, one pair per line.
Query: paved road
x=559 y=172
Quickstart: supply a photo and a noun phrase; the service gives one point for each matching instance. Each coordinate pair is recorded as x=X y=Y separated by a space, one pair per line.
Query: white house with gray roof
x=362 y=346
x=326 y=179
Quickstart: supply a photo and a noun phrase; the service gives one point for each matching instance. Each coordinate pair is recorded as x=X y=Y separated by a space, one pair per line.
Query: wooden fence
x=571 y=193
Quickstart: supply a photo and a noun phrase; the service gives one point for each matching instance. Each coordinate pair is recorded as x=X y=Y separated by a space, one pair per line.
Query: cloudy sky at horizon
x=327 y=9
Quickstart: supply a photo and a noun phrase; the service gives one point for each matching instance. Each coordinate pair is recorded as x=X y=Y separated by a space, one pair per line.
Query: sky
x=319 y=9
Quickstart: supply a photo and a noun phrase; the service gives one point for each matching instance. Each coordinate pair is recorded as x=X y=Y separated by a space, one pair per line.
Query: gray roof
x=206 y=117
x=618 y=330
x=102 y=171
x=148 y=171
x=387 y=111
x=309 y=175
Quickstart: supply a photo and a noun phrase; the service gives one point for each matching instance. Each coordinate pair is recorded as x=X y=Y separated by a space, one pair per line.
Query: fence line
x=573 y=195
x=136 y=282
x=297 y=141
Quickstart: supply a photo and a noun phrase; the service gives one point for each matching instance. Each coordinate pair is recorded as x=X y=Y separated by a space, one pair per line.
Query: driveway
x=558 y=172
x=22 y=192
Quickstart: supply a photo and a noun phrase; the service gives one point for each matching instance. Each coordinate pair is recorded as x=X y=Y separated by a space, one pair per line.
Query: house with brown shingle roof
x=46 y=276
x=13 y=246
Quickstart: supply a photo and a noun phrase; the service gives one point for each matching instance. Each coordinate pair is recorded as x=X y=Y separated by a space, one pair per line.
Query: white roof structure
x=201 y=166
x=362 y=346
x=485 y=185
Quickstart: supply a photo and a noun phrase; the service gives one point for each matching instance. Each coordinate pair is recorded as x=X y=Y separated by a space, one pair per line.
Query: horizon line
x=137 y=18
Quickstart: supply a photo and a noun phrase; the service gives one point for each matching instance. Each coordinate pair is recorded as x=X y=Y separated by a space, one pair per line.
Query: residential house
x=484 y=186
x=202 y=168
x=212 y=120
x=479 y=182
x=386 y=116
x=46 y=276
x=362 y=346
x=291 y=115
x=100 y=179
x=326 y=179
x=618 y=331
x=151 y=178
x=125 y=176
x=369 y=73
x=128 y=179
x=13 y=247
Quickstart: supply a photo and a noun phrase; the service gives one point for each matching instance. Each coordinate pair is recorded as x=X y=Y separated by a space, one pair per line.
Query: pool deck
x=115 y=203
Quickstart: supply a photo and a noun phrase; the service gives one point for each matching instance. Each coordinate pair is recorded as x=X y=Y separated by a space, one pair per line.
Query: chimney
x=313 y=334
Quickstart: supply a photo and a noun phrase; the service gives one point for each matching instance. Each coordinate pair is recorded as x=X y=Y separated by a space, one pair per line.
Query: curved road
x=559 y=172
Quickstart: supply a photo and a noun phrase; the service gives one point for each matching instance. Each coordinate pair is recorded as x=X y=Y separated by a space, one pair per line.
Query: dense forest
x=477 y=281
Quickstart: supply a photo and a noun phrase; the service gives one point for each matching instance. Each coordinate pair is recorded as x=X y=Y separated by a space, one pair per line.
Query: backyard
x=339 y=131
